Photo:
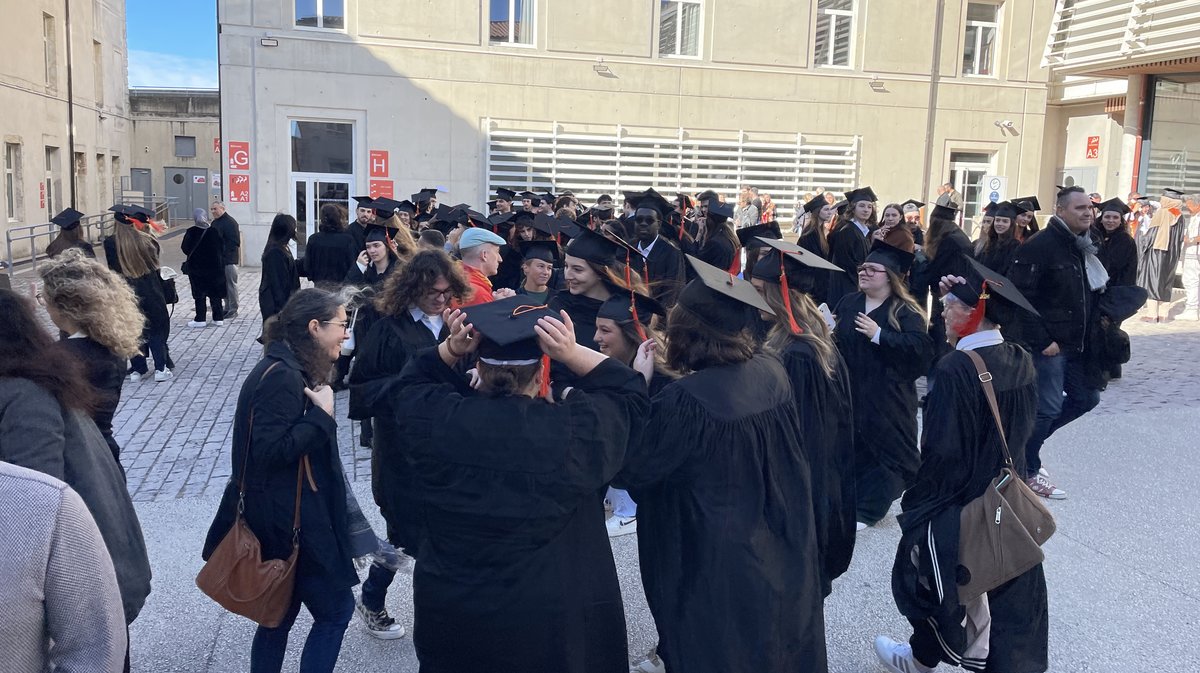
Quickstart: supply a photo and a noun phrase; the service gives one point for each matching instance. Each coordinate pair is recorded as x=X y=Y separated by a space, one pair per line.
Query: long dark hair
x=501 y=380
x=27 y=351
x=333 y=217
x=291 y=327
x=693 y=344
x=283 y=229
x=813 y=329
x=402 y=288
x=938 y=228
x=67 y=238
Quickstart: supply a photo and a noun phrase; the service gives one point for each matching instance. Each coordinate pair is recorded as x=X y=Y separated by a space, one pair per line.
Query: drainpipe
x=70 y=104
x=1142 y=119
x=931 y=110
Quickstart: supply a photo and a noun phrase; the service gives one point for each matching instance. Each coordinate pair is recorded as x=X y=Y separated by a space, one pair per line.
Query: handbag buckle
x=241 y=504
x=985 y=377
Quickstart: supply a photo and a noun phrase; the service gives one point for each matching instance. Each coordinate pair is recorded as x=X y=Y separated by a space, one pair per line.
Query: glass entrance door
x=310 y=192
x=966 y=173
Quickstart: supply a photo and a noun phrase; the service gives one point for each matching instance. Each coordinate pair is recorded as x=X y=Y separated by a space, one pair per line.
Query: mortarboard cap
x=506 y=327
x=476 y=236
x=132 y=212
x=502 y=218
x=1029 y=203
x=364 y=201
x=407 y=206
x=1172 y=192
x=503 y=194
x=997 y=286
x=384 y=207
x=748 y=236
x=431 y=191
x=1007 y=209
x=594 y=248
x=1114 y=205
x=719 y=212
x=941 y=212
x=814 y=205
x=911 y=205
x=861 y=194
x=990 y=209
x=541 y=222
x=67 y=219
x=478 y=219
x=655 y=201
x=548 y=197
x=720 y=298
x=621 y=307
x=894 y=259
x=378 y=232
x=420 y=197
x=806 y=257
x=547 y=251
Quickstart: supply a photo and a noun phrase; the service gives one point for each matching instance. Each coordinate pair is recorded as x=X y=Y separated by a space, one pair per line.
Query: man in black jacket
x=1055 y=270
x=231 y=234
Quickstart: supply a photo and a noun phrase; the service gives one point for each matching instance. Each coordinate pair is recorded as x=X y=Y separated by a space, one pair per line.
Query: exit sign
x=1093 y=147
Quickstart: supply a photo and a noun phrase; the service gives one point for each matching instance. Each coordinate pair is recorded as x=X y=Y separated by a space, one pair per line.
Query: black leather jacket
x=1048 y=269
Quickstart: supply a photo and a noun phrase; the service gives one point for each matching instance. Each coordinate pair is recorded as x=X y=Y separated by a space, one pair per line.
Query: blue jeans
x=374 y=589
x=1063 y=396
x=331 y=610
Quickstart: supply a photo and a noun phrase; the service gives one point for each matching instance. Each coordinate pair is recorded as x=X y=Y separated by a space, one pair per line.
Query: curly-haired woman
x=98 y=311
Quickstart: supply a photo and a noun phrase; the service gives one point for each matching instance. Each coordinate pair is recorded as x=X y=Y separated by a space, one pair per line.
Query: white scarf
x=1097 y=276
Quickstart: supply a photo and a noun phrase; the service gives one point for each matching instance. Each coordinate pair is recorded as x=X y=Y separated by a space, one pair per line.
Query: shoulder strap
x=249 y=433
x=985 y=381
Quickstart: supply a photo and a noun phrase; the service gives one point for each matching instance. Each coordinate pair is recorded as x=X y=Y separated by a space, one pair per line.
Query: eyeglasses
x=345 y=324
x=439 y=294
x=40 y=299
x=869 y=270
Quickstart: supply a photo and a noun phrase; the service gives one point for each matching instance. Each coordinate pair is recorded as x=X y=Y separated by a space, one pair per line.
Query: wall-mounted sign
x=239 y=156
x=239 y=188
x=1093 y=148
x=198 y=180
x=381 y=189
x=378 y=163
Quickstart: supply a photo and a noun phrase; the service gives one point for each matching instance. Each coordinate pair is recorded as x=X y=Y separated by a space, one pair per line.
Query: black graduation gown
x=329 y=256
x=106 y=372
x=381 y=356
x=884 y=393
x=583 y=312
x=1118 y=253
x=509 y=272
x=960 y=455
x=951 y=260
x=663 y=272
x=358 y=234
x=515 y=572
x=1156 y=268
x=848 y=249
x=826 y=424
x=279 y=280
x=726 y=538
x=717 y=250
x=149 y=291
x=999 y=256
x=371 y=280
x=820 y=291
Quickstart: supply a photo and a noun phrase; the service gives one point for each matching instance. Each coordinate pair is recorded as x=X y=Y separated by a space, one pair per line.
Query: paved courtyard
x=1123 y=579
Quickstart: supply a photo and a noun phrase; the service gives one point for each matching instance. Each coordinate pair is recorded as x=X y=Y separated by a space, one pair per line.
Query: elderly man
x=479 y=250
x=231 y=255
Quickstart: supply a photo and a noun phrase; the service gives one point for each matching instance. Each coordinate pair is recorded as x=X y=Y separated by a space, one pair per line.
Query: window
x=53 y=182
x=321 y=14
x=12 y=176
x=102 y=189
x=966 y=174
x=979 y=44
x=50 y=50
x=511 y=22
x=185 y=146
x=679 y=28
x=78 y=177
x=834 y=41
x=98 y=65
x=322 y=147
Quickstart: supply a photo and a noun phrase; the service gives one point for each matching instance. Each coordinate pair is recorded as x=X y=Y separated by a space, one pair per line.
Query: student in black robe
x=947 y=248
x=850 y=242
x=998 y=243
x=814 y=237
x=205 y=268
x=70 y=235
x=715 y=242
x=593 y=270
x=961 y=452
x=660 y=263
x=515 y=572
x=537 y=271
x=1118 y=252
x=821 y=386
x=280 y=279
x=881 y=334
x=726 y=538
x=364 y=216
x=330 y=253
x=1160 y=246
x=133 y=252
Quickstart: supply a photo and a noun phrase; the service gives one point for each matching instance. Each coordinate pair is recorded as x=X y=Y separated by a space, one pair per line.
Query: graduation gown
x=820 y=292
x=1119 y=255
x=826 y=424
x=515 y=572
x=663 y=272
x=106 y=372
x=149 y=290
x=372 y=280
x=848 y=249
x=279 y=280
x=884 y=395
x=960 y=455
x=726 y=536
x=717 y=250
x=509 y=273
x=1156 y=268
x=329 y=256
x=951 y=260
x=999 y=256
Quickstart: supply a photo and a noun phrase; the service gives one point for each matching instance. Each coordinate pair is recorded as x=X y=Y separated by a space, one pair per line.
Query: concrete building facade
x=176 y=147
x=65 y=126
x=324 y=99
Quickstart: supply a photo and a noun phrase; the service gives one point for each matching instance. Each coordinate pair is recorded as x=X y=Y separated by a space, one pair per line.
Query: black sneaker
x=378 y=623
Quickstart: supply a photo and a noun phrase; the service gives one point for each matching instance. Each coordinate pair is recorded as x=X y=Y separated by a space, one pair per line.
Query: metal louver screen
x=594 y=160
x=1174 y=169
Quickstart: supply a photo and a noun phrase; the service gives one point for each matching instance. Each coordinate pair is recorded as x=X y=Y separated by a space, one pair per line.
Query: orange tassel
x=544 y=390
x=787 y=299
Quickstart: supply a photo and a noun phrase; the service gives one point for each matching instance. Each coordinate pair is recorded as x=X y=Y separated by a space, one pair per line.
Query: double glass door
x=313 y=191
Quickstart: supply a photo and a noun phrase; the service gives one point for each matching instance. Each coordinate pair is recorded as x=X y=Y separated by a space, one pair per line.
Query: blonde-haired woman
x=98 y=311
x=132 y=251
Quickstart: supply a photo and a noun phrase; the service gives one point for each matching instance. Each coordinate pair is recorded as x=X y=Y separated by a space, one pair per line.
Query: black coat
x=718 y=250
x=205 y=265
x=277 y=424
x=358 y=234
x=279 y=280
x=371 y=281
x=999 y=256
x=726 y=539
x=820 y=291
x=106 y=372
x=1049 y=271
x=1119 y=255
x=516 y=572
x=231 y=238
x=663 y=271
x=953 y=251
x=329 y=256
x=848 y=249
x=149 y=291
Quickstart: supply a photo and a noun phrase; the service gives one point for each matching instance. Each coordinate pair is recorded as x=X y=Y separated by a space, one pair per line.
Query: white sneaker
x=134 y=377
x=652 y=664
x=897 y=657
x=164 y=375
x=620 y=525
x=378 y=624
x=197 y=323
x=219 y=323
x=860 y=527
x=1045 y=488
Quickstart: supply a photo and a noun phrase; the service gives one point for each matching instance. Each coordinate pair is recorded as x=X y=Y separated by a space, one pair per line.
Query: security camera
x=1007 y=124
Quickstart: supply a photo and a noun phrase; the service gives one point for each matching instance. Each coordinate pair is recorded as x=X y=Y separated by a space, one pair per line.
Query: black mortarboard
x=941 y=212
x=655 y=201
x=364 y=201
x=547 y=251
x=806 y=257
x=720 y=298
x=1172 y=192
x=531 y=196
x=622 y=306
x=513 y=217
x=719 y=212
x=814 y=205
x=385 y=207
x=594 y=248
x=503 y=194
x=541 y=222
x=506 y=327
x=1029 y=203
x=1115 y=205
x=748 y=236
x=491 y=205
x=548 y=197
x=603 y=207
x=378 y=232
x=431 y=191
x=916 y=205
x=420 y=197
x=478 y=219
x=407 y=207
x=893 y=258
x=997 y=286
x=67 y=219
x=1007 y=209
x=132 y=212
x=861 y=194
x=990 y=208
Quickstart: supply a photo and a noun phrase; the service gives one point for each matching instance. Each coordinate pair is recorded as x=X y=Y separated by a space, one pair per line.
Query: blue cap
x=478 y=236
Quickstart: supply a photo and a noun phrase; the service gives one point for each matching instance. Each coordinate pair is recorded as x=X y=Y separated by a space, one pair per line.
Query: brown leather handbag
x=1000 y=532
x=237 y=577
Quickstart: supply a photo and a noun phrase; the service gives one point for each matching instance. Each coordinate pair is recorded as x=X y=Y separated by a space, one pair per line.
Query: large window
x=1173 y=138
x=679 y=28
x=511 y=22
x=321 y=14
x=12 y=174
x=834 y=39
x=979 y=43
x=50 y=50
x=53 y=182
x=185 y=146
x=322 y=147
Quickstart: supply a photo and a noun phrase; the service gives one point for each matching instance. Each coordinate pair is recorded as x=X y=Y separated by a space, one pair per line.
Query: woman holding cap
x=881 y=333
x=726 y=536
x=132 y=252
x=516 y=573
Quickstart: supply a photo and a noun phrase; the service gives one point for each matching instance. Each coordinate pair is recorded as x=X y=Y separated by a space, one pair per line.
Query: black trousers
x=200 y=295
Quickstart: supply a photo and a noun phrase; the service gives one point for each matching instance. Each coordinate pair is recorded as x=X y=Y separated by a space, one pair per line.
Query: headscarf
x=200 y=215
x=1164 y=218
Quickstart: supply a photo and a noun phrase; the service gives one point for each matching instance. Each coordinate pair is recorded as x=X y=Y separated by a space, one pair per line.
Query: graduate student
x=515 y=570
x=999 y=241
x=594 y=268
x=726 y=535
x=814 y=237
x=660 y=262
x=881 y=334
x=850 y=242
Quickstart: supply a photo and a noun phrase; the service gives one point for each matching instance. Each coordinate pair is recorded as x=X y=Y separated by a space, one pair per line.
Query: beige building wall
x=423 y=83
x=34 y=100
x=161 y=115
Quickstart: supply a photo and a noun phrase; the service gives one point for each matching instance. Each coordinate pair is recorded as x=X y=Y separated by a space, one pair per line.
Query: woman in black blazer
x=279 y=276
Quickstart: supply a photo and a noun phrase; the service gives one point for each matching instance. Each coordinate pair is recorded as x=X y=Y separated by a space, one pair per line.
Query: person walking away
x=1191 y=260
x=722 y=481
x=280 y=279
x=133 y=252
x=98 y=312
x=1160 y=246
x=284 y=430
x=231 y=255
x=70 y=235
x=497 y=586
x=947 y=249
x=205 y=268
x=962 y=451
x=1058 y=271
x=330 y=253
x=59 y=584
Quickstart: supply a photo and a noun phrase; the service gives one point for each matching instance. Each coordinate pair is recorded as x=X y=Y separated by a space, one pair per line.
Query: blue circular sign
x=994 y=197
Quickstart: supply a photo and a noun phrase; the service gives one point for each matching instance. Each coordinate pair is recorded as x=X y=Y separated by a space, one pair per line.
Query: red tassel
x=787 y=299
x=544 y=390
x=972 y=324
x=637 y=324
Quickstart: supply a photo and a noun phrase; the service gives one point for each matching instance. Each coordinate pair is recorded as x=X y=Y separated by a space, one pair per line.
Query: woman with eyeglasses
x=881 y=334
x=410 y=306
x=284 y=433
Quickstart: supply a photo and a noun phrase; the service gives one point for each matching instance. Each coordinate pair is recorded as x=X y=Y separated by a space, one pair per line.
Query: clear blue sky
x=172 y=43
